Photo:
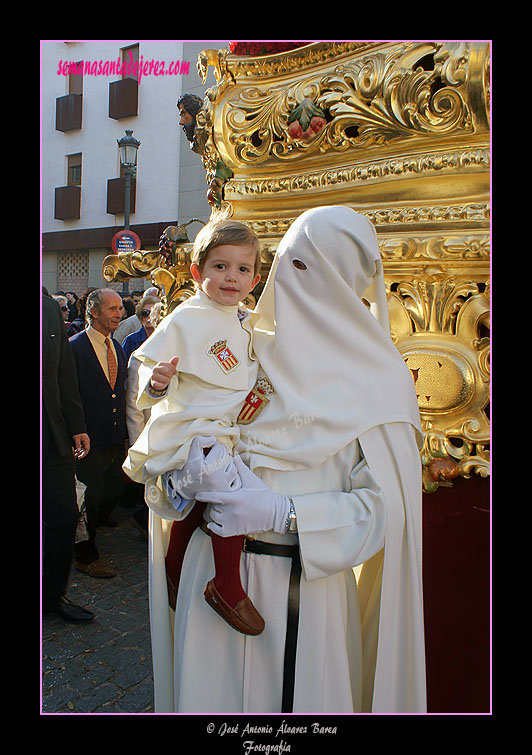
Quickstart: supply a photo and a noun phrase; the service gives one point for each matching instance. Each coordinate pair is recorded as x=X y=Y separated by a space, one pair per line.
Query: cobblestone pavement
x=103 y=666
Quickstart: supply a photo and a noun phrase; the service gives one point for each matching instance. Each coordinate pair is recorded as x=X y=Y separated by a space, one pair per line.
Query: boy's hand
x=162 y=373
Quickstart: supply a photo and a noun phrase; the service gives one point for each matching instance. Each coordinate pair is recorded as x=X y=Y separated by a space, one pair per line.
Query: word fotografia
x=123 y=68
x=278 y=749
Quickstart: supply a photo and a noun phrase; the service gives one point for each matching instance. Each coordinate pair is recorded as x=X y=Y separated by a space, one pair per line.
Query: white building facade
x=91 y=93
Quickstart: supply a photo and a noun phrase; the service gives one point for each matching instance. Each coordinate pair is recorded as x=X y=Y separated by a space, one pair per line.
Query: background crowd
x=88 y=347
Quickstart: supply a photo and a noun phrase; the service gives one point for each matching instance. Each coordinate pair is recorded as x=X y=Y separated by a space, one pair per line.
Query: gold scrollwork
x=125 y=265
x=444 y=248
x=292 y=61
x=440 y=325
x=401 y=134
x=364 y=171
x=472 y=211
x=175 y=287
x=380 y=98
x=386 y=102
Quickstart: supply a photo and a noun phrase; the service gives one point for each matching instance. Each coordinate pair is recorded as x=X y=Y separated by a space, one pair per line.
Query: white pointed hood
x=332 y=362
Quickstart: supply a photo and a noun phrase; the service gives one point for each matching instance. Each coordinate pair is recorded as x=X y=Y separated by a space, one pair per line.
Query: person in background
x=72 y=299
x=64 y=438
x=132 y=323
x=63 y=306
x=136 y=419
x=102 y=374
x=142 y=311
x=129 y=307
x=78 y=323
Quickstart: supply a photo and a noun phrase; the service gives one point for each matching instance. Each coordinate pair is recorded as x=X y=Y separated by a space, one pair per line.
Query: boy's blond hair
x=224 y=231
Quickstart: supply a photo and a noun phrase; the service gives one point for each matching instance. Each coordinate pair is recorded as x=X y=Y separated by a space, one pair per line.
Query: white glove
x=253 y=508
x=216 y=471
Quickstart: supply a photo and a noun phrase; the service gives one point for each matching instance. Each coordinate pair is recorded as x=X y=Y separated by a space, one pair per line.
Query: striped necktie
x=111 y=361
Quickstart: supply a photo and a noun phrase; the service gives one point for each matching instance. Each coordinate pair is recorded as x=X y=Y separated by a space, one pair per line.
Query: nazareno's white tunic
x=202 y=665
x=354 y=474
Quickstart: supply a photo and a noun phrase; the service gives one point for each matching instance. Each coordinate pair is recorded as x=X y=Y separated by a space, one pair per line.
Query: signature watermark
x=254 y=440
x=183 y=484
x=269 y=738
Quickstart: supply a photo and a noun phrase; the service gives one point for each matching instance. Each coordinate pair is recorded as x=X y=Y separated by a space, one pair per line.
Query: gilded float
x=399 y=131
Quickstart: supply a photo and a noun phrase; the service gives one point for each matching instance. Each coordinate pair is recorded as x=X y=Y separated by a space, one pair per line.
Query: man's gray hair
x=94 y=302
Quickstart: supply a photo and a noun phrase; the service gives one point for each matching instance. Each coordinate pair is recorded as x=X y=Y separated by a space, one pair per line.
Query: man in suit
x=63 y=436
x=102 y=373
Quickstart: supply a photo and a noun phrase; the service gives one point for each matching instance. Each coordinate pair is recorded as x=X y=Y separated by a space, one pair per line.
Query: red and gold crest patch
x=223 y=355
x=255 y=401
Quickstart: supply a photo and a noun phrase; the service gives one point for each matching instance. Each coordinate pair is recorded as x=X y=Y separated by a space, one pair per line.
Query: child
x=212 y=338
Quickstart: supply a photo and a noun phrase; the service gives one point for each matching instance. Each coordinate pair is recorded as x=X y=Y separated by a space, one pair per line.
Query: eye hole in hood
x=299 y=265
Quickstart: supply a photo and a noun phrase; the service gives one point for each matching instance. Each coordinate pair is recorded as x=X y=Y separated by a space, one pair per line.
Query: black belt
x=261 y=548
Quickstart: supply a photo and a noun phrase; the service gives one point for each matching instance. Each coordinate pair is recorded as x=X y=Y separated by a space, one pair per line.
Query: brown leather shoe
x=98 y=569
x=244 y=617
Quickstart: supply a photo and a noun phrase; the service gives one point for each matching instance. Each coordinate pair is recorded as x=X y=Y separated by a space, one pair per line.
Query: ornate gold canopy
x=399 y=131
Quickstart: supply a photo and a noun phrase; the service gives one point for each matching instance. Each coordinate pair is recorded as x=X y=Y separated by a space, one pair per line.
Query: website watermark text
x=133 y=68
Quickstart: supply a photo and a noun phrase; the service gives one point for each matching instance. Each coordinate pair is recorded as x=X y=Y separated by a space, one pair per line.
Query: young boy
x=197 y=369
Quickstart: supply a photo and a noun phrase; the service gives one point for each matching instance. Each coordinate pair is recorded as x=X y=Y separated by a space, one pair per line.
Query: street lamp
x=128 y=147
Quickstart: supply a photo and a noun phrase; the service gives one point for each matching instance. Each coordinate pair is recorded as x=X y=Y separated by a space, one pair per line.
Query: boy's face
x=228 y=274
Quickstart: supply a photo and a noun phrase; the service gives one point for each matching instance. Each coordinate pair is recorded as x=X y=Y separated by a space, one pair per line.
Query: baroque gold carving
x=387 y=102
x=214 y=58
x=444 y=248
x=406 y=144
x=293 y=60
x=174 y=282
x=440 y=325
x=469 y=212
x=376 y=169
x=125 y=265
x=402 y=215
x=218 y=60
x=377 y=99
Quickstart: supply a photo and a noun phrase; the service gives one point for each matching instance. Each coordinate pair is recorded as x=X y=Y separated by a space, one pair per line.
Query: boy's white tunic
x=216 y=370
x=355 y=479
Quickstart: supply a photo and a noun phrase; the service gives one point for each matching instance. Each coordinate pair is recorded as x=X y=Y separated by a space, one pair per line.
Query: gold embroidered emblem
x=255 y=401
x=223 y=355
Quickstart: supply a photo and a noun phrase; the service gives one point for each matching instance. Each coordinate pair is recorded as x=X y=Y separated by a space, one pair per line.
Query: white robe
x=206 y=395
x=354 y=474
x=355 y=653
